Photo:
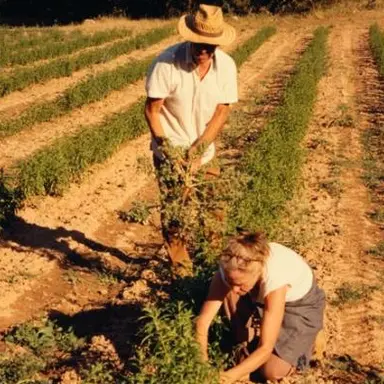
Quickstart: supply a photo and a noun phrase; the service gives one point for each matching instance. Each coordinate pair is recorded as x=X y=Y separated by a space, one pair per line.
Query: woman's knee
x=276 y=368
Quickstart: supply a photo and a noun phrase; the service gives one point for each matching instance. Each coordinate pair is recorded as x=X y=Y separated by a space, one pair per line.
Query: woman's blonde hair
x=244 y=250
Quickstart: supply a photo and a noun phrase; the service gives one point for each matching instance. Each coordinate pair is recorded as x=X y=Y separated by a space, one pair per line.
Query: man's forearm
x=152 y=115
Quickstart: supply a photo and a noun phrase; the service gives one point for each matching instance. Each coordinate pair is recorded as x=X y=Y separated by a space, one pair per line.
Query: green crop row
x=92 y=89
x=23 y=77
x=251 y=45
x=10 y=55
x=23 y=38
x=272 y=165
x=373 y=139
x=376 y=41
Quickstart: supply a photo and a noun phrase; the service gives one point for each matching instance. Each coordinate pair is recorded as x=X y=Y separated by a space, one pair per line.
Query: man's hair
x=244 y=250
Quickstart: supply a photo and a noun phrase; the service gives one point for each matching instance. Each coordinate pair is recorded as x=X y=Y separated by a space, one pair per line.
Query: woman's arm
x=274 y=305
x=216 y=294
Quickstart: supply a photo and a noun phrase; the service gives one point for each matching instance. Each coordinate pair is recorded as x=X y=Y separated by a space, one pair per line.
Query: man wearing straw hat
x=190 y=87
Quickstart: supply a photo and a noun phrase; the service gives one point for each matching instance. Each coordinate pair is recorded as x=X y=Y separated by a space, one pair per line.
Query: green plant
x=345 y=119
x=332 y=186
x=22 y=369
x=44 y=339
x=138 y=213
x=97 y=373
x=377 y=251
x=90 y=90
x=272 y=162
x=349 y=293
x=10 y=200
x=51 y=169
x=377 y=215
x=169 y=352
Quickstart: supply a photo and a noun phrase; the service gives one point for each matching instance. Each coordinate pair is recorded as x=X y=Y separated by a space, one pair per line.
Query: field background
x=71 y=257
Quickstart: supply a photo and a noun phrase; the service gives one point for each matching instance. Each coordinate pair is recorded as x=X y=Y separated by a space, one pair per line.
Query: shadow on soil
x=55 y=244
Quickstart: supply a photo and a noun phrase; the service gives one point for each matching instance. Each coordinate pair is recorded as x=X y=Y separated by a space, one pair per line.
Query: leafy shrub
x=10 y=201
x=44 y=339
x=169 y=353
x=21 y=369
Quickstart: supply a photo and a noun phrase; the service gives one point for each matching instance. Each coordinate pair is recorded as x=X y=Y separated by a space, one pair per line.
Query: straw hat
x=207 y=26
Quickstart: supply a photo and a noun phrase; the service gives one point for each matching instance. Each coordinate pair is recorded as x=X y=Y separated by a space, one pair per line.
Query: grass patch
x=332 y=186
x=378 y=250
x=349 y=293
x=50 y=49
x=376 y=41
x=23 y=77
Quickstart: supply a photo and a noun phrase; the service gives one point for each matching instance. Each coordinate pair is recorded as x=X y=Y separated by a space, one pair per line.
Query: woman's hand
x=227 y=378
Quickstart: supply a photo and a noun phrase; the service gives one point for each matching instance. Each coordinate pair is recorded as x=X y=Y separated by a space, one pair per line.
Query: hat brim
x=226 y=38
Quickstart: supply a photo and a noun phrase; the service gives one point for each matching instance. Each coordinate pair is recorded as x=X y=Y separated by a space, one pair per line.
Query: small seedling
x=332 y=186
x=345 y=119
x=349 y=293
x=138 y=213
x=377 y=251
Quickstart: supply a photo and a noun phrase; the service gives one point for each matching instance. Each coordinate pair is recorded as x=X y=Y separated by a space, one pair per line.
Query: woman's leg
x=276 y=368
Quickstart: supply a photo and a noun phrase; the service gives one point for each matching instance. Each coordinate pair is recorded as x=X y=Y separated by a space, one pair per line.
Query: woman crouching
x=270 y=285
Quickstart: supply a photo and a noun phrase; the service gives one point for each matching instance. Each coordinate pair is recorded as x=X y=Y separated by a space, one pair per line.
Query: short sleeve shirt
x=189 y=103
x=285 y=267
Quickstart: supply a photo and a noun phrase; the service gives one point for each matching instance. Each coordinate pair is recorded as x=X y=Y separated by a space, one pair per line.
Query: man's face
x=202 y=53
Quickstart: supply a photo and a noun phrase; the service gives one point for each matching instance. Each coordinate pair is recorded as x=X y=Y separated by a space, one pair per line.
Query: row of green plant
x=90 y=90
x=22 y=38
x=373 y=139
x=98 y=86
x=22 y=77
x=376 y=41
x=11 y=55
x=273 y=163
